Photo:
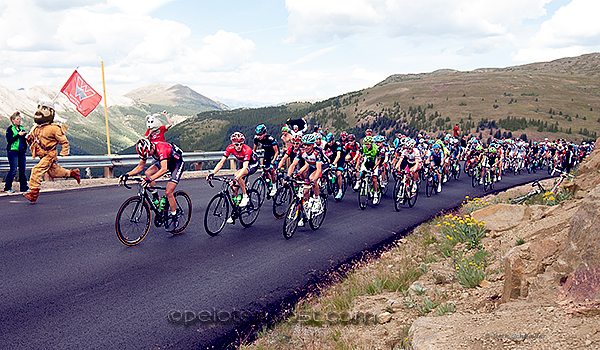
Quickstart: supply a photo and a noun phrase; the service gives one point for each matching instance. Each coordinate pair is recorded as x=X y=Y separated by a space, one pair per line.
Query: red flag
x=81 y=94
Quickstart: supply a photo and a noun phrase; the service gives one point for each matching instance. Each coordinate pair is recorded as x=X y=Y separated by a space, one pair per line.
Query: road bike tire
x=184 y=211
x=411 y=198
x=133 y=221
x=281 y=201
x=457 y=171
x=316 y=220
x=363 y=194
x=429 y=186
x=249 y=213
x=398 y=197
x=292 y=217
x=261 y=187
x=474 y=179
x=217 y=213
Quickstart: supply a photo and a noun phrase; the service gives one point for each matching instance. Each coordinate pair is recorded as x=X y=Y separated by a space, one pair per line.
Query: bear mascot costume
x=43 y=140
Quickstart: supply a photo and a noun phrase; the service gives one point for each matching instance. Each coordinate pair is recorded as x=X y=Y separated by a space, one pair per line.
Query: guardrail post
x=197 y=166
x=109 y=172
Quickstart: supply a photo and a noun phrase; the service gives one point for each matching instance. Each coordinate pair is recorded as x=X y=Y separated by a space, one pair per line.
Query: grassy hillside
x=558 y=99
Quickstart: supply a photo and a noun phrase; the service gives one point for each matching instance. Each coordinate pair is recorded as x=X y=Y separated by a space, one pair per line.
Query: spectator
x=16 y=147
x=456 y=130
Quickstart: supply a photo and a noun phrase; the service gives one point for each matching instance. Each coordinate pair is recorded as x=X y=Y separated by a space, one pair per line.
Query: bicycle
x=366 y=191
x=283 y=197
x=330 y=176
x=404 y=190
x=134 y=216
x=263 y=185
x=296 y=211
x=217 y=210
x=432 y=182
x=540 y=189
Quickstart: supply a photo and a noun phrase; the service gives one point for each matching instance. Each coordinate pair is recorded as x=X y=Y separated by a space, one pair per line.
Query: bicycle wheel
x=486 y=180
x=249 y=213
x=429 y=186
x=261 y=187
x=281 y=200
x=474 y=179
x=217 y=212
x=184 y=211
x=133 y=221
x=316 y=220
x=457 y=170
x=397 y=193
x=411 y=196
x=363 y=194
x=292 y=216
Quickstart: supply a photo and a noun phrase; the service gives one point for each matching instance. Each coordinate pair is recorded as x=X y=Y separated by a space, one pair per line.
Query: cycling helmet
x=492 y=150
x=368 y=139
x=143 y=147
x=478 y=148
x=309 y=139
x=410 y=143
x=351 y=138
x=368 y=132
x=329 y=137
x=344 y=134
x=261 y=129
x=296 y=139
x=379 y=138
x=237 y=137
x=285 y=128
x=435 y=146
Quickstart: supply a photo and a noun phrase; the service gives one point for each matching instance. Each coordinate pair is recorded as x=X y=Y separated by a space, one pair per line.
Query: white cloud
x=323 y=20
x=573 y=30
x=9 y=71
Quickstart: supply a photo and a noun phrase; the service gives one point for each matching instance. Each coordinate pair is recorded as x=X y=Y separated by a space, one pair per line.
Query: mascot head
x=44 y=113
x=152 y=122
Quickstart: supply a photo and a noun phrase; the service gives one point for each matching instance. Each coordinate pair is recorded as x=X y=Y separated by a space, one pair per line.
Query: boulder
x=502 y=217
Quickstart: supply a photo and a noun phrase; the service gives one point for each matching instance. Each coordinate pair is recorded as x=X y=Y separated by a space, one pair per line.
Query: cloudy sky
x=272 y=51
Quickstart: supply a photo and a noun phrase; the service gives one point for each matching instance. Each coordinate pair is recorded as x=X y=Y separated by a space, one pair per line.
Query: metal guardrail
x=110 y=162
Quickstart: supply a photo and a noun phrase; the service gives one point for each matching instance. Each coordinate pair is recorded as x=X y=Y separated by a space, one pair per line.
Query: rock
x=431 y=333
x=501 y=217
x=484 y=284
x=581 y=292
x=384 y=318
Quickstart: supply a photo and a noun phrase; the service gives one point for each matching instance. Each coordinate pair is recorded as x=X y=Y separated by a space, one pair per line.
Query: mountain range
x=126 y=114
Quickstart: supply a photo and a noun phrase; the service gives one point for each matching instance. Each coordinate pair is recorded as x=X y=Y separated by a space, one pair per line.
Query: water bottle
x=162 y=204
x=234 y=199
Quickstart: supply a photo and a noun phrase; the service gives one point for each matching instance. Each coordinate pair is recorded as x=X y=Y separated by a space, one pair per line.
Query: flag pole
x=105 y=109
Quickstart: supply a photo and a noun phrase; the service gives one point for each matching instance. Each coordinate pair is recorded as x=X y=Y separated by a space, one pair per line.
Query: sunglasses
x=237 y=144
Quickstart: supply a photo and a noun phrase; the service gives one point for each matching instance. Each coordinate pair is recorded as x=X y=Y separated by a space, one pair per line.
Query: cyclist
x=291 y=152
x=166 y=158
x=248 y=164
x=436 y=158
x=370 y=156
x=490 y=161
x=336 y=156
x=312 y=170
x=410 y=156
x=351 y=148
x=384 y=149
x=269 y=144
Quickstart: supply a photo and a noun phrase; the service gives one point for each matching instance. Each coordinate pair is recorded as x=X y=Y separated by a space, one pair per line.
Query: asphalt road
x=68 y=283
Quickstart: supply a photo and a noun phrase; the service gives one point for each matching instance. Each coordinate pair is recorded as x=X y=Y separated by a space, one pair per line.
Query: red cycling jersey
x=246 y=154
x=157 y=135
x=165 y=151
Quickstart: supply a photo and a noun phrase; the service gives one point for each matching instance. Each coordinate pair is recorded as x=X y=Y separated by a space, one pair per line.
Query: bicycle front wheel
x=398 y=197
x=281 y=200
x=249 y=213
x=316 y=220
x=292 y=216
x=216 y=214
x=184 y=211
x=429 y=186
x=261 y=187
x=411 y=196
x=133 y=221
x=363 y=194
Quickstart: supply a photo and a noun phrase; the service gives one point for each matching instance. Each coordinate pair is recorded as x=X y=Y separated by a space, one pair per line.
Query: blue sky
x=273 y=51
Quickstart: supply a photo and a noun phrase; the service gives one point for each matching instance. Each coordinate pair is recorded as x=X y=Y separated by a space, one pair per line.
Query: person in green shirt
x=369 y=158
x=16 y=148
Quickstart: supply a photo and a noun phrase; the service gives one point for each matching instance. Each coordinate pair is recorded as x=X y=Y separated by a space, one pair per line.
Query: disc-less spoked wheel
x=133 y=221
x=216 y=214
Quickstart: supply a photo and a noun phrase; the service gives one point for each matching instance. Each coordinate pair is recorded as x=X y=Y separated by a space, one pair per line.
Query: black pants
x=16 y=160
